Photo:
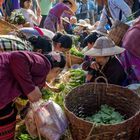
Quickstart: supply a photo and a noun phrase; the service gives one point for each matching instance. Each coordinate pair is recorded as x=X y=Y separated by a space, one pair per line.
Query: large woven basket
x=85 y=100
x=6 y=27
x=72 y=59
x=117 y=32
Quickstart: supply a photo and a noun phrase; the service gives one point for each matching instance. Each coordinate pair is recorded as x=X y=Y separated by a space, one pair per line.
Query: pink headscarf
x=131 y=40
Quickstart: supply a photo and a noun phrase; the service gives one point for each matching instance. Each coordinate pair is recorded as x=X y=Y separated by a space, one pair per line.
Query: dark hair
x=67 y=1
x=56 y=37
x=66 y=41
x=91 y=38
x=22 y=3
x=41 y=42
x=55 y=63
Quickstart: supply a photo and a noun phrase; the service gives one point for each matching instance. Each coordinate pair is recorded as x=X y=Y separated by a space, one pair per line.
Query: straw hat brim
x=104 y=51
x=65 y=20
x=99 y=32
x=83 y=25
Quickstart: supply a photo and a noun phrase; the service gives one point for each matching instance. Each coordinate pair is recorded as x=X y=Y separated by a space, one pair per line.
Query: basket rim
x=92 y=123
x=8 y=24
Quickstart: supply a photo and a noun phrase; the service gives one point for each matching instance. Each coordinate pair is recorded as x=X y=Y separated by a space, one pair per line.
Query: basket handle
x=101 y=77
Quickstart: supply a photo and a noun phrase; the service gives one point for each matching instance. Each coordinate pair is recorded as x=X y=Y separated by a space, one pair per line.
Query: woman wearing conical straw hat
x=106 y=63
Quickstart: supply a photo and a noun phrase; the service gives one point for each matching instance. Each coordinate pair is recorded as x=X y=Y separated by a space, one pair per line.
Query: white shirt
x=30 y=17
x=114 y=7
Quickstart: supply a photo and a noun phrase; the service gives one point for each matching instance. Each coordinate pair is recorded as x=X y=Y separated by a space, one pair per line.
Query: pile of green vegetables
x=76 y=78
x=107 y=115
x=74 y=51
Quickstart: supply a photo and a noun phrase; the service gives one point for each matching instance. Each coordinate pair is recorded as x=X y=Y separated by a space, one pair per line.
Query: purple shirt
x=58 y=9
x=20 y=72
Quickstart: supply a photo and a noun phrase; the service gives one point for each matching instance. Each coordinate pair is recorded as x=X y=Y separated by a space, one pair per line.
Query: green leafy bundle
x=107 y=115
x=76 y=78
x=17 y=18
x=75 y=52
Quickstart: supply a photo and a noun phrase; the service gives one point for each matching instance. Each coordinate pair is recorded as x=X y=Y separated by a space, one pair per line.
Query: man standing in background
x=45 y=6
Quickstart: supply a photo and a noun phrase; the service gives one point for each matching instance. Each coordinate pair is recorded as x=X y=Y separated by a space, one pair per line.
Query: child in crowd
x=29 y=15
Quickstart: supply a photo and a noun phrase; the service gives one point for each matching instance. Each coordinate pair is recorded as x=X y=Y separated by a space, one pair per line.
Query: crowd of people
x=37 y=52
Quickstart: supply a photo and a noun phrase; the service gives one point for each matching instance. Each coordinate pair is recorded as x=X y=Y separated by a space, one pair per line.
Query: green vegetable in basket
x=75 y=52
x=107 y=115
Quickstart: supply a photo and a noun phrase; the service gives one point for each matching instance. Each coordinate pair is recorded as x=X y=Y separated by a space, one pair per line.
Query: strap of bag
x=39 y=135
x=108 y=15
x=120 y=15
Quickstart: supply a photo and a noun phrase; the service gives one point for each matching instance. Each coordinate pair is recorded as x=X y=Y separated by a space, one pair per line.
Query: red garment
x=39 y=30
x=20 y=72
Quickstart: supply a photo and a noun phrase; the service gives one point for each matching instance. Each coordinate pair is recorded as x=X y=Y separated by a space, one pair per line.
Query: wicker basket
x=72 y=59
x=117 y=32
x=6 y=27
x=85 y=100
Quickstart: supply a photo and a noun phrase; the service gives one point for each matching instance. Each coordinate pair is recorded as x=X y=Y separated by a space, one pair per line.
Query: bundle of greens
x=75 y=52
x=107 y=115
x=76 y=78
x=17 y=18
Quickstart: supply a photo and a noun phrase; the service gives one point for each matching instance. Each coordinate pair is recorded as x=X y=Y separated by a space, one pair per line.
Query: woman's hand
x=35 y=95
x=94 y=65
x=54 y=89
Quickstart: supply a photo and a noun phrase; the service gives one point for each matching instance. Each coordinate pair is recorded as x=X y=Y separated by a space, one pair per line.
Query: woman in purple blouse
x=23 y=73
x=53 y=19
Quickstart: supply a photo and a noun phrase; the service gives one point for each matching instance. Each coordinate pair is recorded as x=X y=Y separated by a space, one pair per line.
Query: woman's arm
x=20 y=66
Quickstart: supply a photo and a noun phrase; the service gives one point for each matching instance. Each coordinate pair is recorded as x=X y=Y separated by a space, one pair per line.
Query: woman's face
x=53 y=74
x=73 y=20
x=102 y=60
x=90 y=45
x=27 y=4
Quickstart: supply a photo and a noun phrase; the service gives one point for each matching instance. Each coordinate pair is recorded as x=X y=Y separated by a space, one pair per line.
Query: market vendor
x=53 y=19
x=13 y=43
x=106 y=63
x=62 y=43
x=23 y=73
x=131 y=56
x=42 y=44
x=89 y=43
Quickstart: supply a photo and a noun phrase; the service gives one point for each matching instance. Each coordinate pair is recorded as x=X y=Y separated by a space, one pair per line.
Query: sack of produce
x=99 y=111
x=49 y=119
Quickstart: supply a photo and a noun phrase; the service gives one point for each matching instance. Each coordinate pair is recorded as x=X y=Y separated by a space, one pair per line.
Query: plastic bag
x=30 y=124
x=50 y=119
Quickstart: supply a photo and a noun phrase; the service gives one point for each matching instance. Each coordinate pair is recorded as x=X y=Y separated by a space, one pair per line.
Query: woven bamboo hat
x=104 y=47
x=82 y=23
x=66 y=19
x=74 y=6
